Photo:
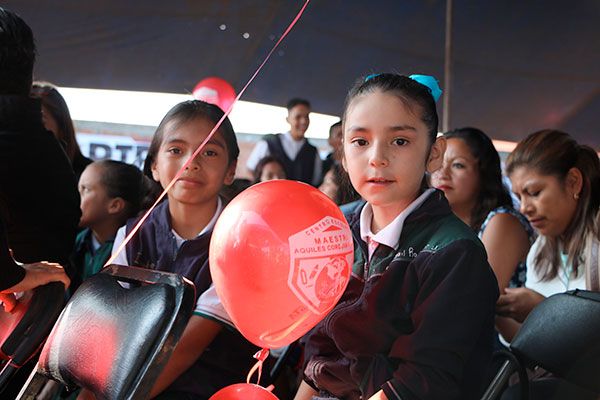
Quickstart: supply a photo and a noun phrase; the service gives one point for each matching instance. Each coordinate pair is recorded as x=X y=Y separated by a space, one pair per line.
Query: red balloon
x=280 y=258
x=243 y=391
x=215 y=91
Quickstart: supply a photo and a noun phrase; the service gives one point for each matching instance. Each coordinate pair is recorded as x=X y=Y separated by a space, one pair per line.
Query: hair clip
x=431 y=83
x=371 y=76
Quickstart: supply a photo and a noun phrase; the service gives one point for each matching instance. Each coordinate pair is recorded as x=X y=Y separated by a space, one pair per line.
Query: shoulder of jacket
x=443 y=232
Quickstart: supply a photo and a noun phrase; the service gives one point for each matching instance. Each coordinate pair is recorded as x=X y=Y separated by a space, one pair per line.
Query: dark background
x=519 y=66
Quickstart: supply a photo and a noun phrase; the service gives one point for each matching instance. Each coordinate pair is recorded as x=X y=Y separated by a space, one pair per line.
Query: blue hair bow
x=371 y=76
x=431 y=83
x=428 y=81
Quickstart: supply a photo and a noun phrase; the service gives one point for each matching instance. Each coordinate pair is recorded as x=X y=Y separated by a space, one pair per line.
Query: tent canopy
x=518 y=66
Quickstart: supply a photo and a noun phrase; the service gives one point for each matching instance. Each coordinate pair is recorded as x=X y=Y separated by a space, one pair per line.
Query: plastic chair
x=23 y=331
x=561 y=335
x=112 y=338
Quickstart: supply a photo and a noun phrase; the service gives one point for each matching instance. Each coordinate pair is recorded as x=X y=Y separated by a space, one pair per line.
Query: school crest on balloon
x=280 y=257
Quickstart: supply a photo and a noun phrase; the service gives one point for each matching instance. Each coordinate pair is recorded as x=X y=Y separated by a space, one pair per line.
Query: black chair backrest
x=562 y=335
x=23 y=331
x=115 y=340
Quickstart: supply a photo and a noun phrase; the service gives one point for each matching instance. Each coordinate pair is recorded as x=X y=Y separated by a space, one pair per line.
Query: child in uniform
x=211 y=353
x=417 y=318
x=111 y=193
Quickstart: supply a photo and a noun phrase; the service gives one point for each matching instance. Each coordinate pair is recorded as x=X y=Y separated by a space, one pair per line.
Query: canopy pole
x=447 y=68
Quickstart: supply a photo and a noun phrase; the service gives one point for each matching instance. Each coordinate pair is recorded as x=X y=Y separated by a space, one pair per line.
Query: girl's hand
x=38 y=274
x=517 y=303
x=379 y=396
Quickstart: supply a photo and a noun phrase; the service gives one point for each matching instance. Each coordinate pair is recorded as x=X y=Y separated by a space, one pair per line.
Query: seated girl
x=111 y=193
x=417 y=318
x=211 y=353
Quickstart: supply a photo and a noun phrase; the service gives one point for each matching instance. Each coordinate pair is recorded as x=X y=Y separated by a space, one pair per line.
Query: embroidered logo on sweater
x=320 y=259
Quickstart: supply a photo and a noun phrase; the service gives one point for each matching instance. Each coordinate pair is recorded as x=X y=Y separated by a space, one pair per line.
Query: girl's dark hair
x=124 y=181
x=56 y=105
x=261 y=165
x=409 y=91
x=346 y=193
x=295 y=102
x=182 y=113
x=228 y=192
x=17 y=54
x=554 y=153
x=492 y=191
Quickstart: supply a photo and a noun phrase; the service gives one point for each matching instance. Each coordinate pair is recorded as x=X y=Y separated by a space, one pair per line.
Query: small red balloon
x=215 y=91
x=243 y=391
x=280 y=258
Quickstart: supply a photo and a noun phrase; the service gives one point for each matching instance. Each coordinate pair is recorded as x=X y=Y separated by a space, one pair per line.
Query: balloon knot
x=262 y=354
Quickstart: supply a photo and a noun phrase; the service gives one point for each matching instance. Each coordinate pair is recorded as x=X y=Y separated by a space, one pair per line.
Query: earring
x=576 y=196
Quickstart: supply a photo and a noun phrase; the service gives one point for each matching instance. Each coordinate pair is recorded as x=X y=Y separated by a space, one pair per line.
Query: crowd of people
x=447 y=267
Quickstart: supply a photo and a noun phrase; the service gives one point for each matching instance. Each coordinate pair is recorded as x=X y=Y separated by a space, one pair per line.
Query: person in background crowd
x=39 y=203
x=337 y=186
x=268 y=169
x=57 y=119
x=300 y=158
x=471 y=179
x=229 y=192
x=335 y=142
x=557 y=182
x=111 y=193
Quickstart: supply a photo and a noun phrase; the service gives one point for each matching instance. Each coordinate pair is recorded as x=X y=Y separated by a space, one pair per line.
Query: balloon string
x=210 y=135
x=261 y=356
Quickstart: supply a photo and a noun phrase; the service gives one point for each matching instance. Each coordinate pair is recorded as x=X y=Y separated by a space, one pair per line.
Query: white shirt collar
x=288 y=136
x=208 y=227
x=95 y=243
x=390 y=234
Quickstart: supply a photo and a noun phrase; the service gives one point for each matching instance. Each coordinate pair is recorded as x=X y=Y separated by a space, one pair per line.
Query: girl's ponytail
x=589 y=165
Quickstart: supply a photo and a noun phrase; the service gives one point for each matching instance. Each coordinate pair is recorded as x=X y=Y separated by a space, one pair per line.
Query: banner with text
x=114 y=147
